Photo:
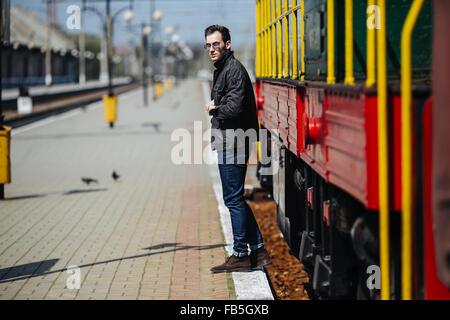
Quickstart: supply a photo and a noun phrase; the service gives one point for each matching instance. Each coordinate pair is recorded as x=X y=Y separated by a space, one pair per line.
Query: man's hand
x=210 y=106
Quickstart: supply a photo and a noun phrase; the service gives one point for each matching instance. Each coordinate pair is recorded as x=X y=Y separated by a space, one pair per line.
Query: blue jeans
x=245 y=229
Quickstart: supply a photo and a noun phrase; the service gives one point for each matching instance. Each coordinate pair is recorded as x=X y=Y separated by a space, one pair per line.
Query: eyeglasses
x=216 y=45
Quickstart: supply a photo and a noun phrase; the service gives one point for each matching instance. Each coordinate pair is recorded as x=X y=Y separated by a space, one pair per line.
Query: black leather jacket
x=233 y=97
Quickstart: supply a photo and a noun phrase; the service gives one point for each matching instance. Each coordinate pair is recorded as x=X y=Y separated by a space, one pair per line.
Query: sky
x=189 y=17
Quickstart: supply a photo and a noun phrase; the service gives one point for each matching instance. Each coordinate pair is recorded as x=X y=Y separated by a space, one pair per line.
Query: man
x=233 y=109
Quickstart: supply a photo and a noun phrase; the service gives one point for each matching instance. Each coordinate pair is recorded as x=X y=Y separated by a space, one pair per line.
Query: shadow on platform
x=30 y=196
x=178 y=247
x=37 y=269
x=29 y=270
x=76 y=191
x=67 y=193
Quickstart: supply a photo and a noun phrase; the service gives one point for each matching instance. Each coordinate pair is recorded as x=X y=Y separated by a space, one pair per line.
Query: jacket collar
x=221 y=63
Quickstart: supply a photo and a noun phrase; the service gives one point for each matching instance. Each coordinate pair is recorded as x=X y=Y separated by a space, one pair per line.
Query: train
x=23 y=66
x=353 y=95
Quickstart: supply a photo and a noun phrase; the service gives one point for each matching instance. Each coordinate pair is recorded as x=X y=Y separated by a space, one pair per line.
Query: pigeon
x=156 y=126
x=88 y=180
x=115 y=176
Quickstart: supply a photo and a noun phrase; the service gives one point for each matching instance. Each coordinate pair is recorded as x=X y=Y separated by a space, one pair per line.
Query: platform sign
x=24 y=105
x=4 y=25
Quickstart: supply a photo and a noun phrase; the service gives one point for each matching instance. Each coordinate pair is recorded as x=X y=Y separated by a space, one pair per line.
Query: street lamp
x=107 y=21
x=48 y=53
x=145 y=31
x=175 y=38
x=5 y=132
x=170 y=30
x=110 y=100
x=128 y=15
x=103 y=46
x=157 y=15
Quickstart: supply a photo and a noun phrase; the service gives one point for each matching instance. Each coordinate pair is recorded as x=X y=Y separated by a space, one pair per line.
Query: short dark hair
x=223 y=30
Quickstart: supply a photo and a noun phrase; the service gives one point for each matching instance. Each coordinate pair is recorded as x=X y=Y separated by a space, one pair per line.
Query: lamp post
x=150 y=42
x=82 y=45
x=48 y=52
x=169 y=31
x=128 y=16
x=157 y=16
x=157 y=85
x=103 y=44
x=145 y=31
x=5 y=132
x=106 y=39
x=110 y=100
x=109 y=45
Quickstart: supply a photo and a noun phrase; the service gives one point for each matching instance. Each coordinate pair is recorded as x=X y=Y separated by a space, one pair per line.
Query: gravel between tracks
x=285 y=273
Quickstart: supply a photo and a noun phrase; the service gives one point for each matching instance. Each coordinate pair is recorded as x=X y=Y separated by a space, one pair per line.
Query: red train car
x=356 y=116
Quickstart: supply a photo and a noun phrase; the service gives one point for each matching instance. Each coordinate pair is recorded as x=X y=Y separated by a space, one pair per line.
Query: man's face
x=215 y=46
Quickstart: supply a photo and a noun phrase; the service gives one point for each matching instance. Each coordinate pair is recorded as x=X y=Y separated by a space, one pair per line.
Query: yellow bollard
x=5 y=162
x=169 y=84
x=110 y=108
x=158 y=89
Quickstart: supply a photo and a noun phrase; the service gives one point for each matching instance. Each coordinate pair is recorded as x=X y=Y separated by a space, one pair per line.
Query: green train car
x=396 y=11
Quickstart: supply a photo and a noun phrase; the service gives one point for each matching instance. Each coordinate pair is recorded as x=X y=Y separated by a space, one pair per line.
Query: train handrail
x=280 y=41
x=331 y=77
x=263 y=38
x=269 y=17
x=406 y=141
x=260 y=50
x=258 y=41
x=349 y=76
x=274 y=41
x=268 y=44
x=302 y=35
x=383 y=165
x=371 y=39
x=266 y=25
x=286 y=39
x=294 y=42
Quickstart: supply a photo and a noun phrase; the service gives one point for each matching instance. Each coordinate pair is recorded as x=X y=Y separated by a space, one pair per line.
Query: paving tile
x=137 y=238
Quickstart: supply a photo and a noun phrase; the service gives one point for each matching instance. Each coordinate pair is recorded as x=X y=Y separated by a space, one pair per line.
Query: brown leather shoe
x=259 y=258
x=233 y=264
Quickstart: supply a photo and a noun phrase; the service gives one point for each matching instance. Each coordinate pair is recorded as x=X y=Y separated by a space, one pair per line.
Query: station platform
x=153 y=233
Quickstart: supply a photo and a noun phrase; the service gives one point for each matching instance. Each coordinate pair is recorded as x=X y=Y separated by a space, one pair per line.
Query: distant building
x=23 y=61
x=27 y=28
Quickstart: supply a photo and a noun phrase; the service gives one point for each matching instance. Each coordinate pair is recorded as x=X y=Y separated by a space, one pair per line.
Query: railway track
x=51 y=104
x=286 y=275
